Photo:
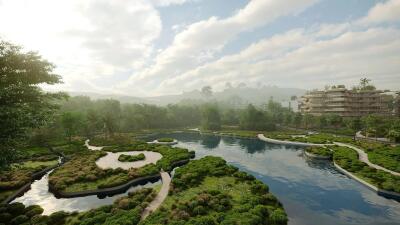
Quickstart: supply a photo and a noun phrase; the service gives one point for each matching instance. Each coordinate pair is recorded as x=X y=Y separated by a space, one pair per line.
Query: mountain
x=238 y=96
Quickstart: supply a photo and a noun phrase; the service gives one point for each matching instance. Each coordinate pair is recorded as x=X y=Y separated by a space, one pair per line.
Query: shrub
x=169 y=140
x=131 y=158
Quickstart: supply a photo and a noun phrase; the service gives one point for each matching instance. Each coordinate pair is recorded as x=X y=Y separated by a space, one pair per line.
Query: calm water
x=39 y=195
x=313 y=193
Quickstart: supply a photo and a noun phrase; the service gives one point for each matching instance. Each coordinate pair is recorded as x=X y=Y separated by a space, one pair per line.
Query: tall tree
x=211 y=119
x=24 y=105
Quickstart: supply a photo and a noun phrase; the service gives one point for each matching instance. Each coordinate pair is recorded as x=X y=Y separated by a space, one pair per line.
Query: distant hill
x=237 y=96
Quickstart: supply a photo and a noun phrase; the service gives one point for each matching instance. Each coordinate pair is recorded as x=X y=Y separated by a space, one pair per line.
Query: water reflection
x=39 y=195
x=313 y=192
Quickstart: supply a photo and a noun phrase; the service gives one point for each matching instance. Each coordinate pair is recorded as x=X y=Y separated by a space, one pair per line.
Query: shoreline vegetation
x=348 y=160
x=131 y=158
x=81 y=173
x=196 y=196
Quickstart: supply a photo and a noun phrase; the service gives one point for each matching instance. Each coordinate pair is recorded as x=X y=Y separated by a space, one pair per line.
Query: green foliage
x=208 y=191
x=23 y=103
x=211 y=119
x=71 y=122
x=320 y=151
x=131 y=158
x=382 y=154
x=347 y=158
x=254 y=119
x=165 y=140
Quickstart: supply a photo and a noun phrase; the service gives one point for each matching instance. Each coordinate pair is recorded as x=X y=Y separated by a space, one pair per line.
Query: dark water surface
x=312 y=192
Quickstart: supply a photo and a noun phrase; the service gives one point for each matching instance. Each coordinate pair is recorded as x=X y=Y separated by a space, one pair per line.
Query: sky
x=160 y=47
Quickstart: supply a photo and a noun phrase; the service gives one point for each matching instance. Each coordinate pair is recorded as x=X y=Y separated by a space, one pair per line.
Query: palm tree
x=364 y=82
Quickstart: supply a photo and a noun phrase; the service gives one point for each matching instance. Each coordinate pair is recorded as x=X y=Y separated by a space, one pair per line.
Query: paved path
x=362 y=156
x=90 y=147
x=166 y=181
x=274 y=141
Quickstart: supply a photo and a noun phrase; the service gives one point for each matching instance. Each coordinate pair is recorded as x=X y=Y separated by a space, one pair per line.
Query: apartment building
x=346 y=103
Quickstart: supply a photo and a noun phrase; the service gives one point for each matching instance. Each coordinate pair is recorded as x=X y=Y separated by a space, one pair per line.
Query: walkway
x=274 y=141
x=90 y=147
x=362 y=156
x=162 y=194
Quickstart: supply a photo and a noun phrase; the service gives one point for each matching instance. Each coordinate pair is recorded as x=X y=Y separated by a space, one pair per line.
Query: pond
x=312 y=192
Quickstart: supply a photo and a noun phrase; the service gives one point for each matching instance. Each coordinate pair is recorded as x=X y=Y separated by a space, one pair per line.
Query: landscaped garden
x=319 y=151
x=81 y=173
x=131 y=158
x=208 y=191
x=347 y=158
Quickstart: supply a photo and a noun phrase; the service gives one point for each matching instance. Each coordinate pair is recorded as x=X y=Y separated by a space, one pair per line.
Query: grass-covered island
x=131 y=158
x=205 y=191
x=166 y=140
x=347 y=158
x=319 y=152
x=81 y=173
x=208 y=191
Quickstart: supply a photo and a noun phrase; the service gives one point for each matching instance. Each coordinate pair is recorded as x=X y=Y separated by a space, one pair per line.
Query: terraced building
x=346 y=103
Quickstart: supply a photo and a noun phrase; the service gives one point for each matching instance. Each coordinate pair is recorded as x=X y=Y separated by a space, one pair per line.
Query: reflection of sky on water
x=313 y=192
x=39 y=195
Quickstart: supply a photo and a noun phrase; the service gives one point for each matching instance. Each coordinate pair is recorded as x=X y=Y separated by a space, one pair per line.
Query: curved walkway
x=362 y=156
x=162 y=194
x=274 y=141
x=91 y=147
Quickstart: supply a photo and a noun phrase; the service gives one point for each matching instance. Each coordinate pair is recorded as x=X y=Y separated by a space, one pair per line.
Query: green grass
x=131 y=158
x=208 y=191
x=167 y=140
x=36 y=164
x=319 y=151
x=347 y=158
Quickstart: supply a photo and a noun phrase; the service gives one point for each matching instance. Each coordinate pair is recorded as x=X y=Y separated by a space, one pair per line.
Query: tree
x=71 y=122
x=254 y=119
x=365 y=84
x=206 y=91
x=211 y=119
x=24 y=105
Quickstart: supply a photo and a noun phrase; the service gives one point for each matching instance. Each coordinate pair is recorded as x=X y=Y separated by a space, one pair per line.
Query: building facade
x=346 y=103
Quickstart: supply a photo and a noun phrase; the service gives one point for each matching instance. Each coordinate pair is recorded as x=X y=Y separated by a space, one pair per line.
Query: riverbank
x=362 y=156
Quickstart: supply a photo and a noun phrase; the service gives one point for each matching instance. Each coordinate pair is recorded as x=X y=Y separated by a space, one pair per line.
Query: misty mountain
x=236 y=96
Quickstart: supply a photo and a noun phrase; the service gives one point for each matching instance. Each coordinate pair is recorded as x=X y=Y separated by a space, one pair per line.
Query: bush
x=169 y=140
x=131 y=158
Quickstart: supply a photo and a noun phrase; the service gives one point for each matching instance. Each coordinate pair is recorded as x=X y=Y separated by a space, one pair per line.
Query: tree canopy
x=24 y=105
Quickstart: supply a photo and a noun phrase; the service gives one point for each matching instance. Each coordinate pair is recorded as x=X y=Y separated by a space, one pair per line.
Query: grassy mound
x=131 y=158
x=81 y=173
x=319 y=151
x=125 y=210
x=208 y=191
x=347 y=158
x=167 y=140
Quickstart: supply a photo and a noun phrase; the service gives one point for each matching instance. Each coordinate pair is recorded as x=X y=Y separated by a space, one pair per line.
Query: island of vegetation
x=131 y=158
x=167 y=140
x=319 y=152
x=205 y=191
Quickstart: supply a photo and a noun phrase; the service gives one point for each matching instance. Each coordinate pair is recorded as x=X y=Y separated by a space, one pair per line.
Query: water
x=39 y=195
x=312 y=192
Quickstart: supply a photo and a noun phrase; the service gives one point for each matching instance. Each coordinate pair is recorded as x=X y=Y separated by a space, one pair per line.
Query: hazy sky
x=156 y=47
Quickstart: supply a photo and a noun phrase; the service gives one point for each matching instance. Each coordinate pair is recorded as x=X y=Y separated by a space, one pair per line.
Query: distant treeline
x=82 y=116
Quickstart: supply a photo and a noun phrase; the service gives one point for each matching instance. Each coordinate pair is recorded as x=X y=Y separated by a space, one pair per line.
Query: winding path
x=162 y=194
x=362 y=156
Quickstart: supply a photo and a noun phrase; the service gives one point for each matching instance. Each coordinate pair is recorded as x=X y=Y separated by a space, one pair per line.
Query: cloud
x=300 y=57
x=199 y=42
x=86 y=39
x=383 y=12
